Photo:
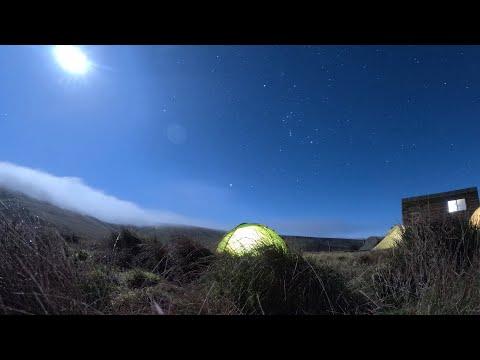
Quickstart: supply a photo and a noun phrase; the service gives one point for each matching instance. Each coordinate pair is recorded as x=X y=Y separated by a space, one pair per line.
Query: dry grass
x=37 y=276
x=434 y=270
x=275 y=282
x=354 y=266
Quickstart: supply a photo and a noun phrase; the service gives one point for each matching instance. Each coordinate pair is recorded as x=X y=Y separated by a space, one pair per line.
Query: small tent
x=246 y=237
x=475 y=219
x=391 y=239
x=370 y=243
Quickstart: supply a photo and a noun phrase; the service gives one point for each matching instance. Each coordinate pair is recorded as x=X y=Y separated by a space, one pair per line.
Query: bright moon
x=71 y=59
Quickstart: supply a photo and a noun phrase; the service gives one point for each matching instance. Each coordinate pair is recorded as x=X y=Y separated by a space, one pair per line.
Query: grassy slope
x=20 y=206
x=92 y=229
x=323 y=244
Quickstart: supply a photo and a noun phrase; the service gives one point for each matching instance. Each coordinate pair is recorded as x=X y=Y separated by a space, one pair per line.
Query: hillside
x=371 y=242
x=207 y=237
x=20 y=207
x=313 y=244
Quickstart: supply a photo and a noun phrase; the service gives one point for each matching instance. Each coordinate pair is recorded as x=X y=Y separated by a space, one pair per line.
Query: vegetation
x=435 y=269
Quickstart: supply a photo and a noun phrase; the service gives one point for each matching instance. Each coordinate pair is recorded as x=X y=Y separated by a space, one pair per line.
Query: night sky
x=309 y=140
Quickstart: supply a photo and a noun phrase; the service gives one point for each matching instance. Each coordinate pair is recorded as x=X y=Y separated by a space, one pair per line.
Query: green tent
x=245 y=238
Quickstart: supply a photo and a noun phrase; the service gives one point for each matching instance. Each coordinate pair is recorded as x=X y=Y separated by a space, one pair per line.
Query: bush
x=154 y=256
x=434 y=269
x=191 y=258
x=181 y=260
x=36 y=274
x=71 y=237
x=98 y=286
x=275 y=282
x=124 y=246
x=81 y=255
x=139 y=278
x=369 y=258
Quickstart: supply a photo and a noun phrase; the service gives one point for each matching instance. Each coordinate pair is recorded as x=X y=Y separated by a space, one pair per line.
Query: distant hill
x=323 y=244
x=210 y=238
x=207 y=237
x=19 y=207
x=22 y=208
x=370 y=243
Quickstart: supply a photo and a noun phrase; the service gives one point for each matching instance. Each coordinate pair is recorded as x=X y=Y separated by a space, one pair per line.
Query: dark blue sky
x=310 y=140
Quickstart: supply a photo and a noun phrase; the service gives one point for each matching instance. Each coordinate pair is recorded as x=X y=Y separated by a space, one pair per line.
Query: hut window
x=457 y=205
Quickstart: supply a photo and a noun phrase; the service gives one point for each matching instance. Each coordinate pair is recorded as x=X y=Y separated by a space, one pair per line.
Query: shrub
x=181 y=260
x=81 y=255
x=36 y=275
x=275 y=282
x=139 y=278
x=124 y=246
x=190 y=257
x=154 y=256
x=432 y=269
x=98 y=286
x=71 y=237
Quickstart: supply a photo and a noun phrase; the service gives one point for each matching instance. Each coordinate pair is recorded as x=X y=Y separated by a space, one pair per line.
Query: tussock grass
x=37 y=275
x=180 y=259
x=279 y=282
x=435 y=269
x=138 y=278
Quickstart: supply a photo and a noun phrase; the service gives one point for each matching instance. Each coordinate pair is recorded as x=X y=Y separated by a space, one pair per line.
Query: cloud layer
x=73 y=194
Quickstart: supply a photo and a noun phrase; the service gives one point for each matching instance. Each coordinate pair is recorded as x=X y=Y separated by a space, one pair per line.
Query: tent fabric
x=391 y=239
x=395 y=233
x=370 y=243
x=246 y=237
x=475 y=218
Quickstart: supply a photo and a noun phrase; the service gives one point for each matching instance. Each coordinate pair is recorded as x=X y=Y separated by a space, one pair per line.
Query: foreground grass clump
x=435 y=269
x=99 y=284
x=37 y=275
x=139 y=278
x=352 y=265
x=279 y=282
x=180 y=260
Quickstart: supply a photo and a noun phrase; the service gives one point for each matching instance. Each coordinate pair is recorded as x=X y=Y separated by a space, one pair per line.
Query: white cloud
x=73 y=194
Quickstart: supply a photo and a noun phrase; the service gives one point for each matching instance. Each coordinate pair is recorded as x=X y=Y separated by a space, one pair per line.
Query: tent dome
x=246 y=237
x=391 y=239
x=475 y=219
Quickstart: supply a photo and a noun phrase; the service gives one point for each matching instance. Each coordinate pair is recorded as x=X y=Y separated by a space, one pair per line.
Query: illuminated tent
x=391 y=239
x=475 y=219
x=245 y=238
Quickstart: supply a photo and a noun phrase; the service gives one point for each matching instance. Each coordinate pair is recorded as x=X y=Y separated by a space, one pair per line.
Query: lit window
x=457 y=205
x=461 y=205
